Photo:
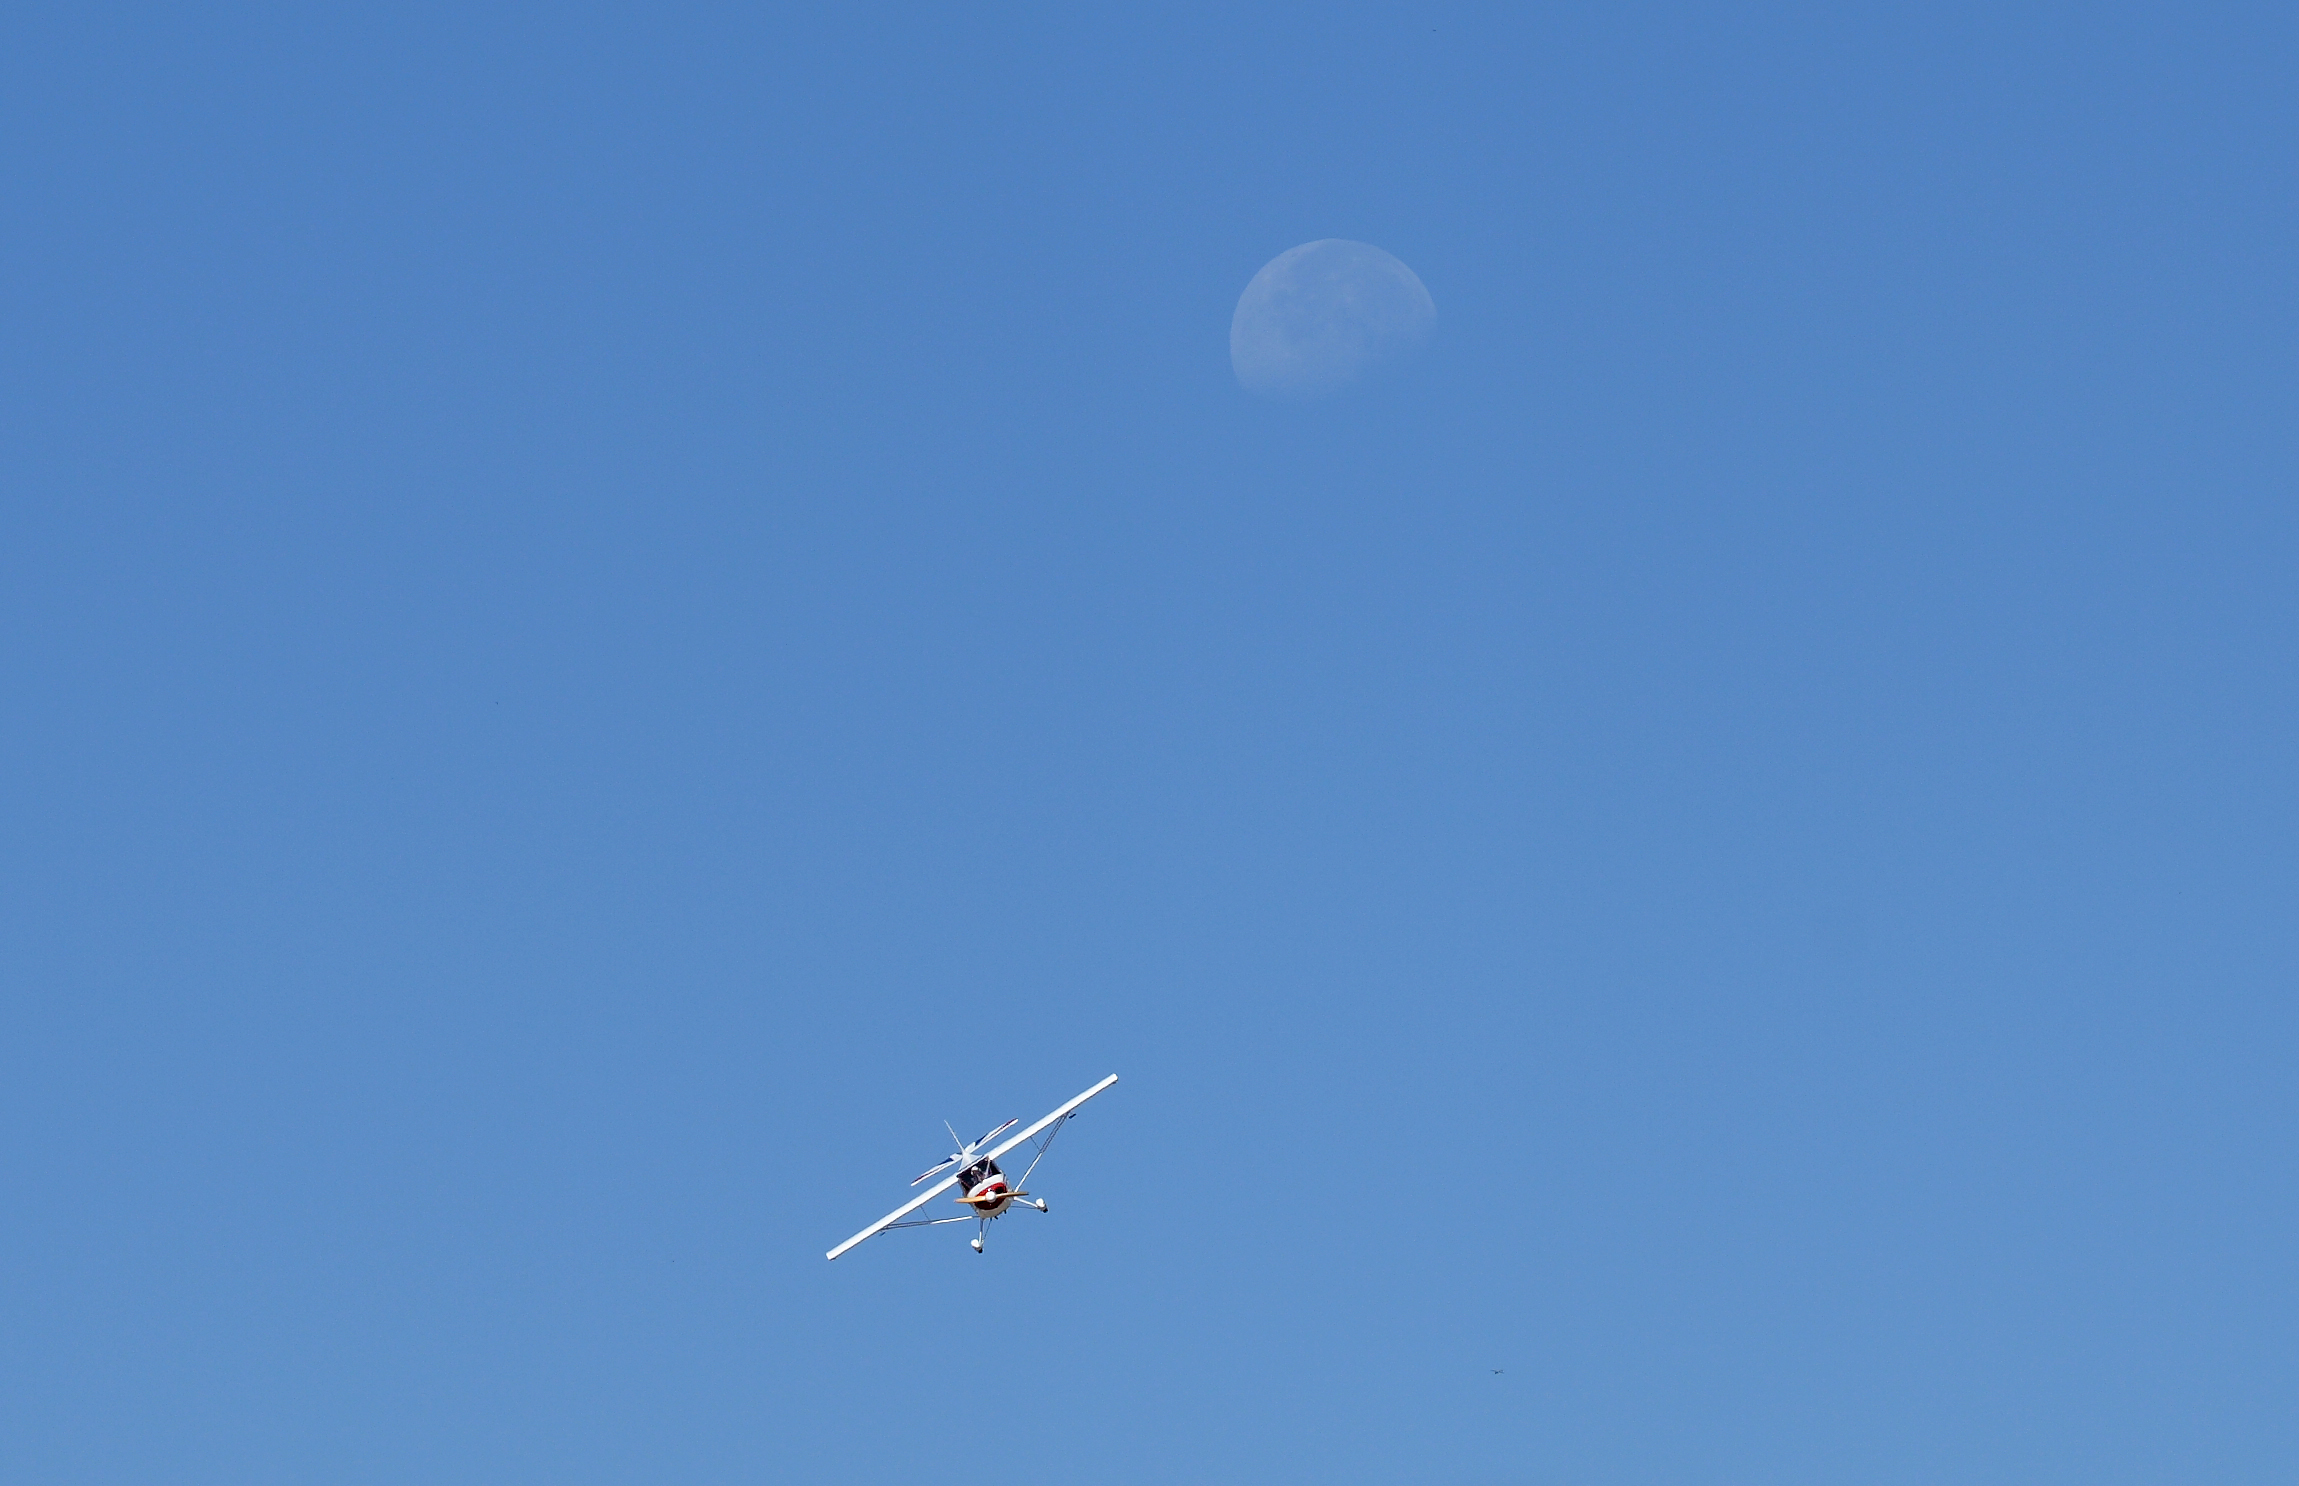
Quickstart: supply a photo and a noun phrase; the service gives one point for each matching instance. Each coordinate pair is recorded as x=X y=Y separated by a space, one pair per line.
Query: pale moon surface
x=1324 y=315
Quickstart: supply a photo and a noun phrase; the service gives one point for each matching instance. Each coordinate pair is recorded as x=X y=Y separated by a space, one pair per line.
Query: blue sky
x=609 y=614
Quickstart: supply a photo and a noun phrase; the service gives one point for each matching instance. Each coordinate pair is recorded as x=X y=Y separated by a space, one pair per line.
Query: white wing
x=899 y=1213
x=948 y=1182
x=1056 y=1117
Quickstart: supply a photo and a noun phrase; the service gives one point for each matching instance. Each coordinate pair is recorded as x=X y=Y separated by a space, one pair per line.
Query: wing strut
x=1044 y=1144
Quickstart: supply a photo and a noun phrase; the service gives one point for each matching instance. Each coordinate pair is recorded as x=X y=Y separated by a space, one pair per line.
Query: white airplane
x=981 y=1185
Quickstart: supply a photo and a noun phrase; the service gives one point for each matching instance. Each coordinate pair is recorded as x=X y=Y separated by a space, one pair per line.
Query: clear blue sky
x=608 y=614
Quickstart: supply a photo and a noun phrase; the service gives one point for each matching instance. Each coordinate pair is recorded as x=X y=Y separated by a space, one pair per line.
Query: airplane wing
x=1055 y=1118
x=993 y=1154
x=897 y=1215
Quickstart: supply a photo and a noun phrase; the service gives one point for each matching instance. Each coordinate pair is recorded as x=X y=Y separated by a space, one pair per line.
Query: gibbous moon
x=1323 y=315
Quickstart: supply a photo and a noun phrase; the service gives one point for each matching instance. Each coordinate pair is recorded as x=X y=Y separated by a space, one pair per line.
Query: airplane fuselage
x=985 y=1188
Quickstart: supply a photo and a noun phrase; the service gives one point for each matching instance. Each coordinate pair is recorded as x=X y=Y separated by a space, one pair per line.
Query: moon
x=1324 y=315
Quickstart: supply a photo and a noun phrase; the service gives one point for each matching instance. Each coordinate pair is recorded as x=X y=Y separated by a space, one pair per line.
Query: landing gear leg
x=979 y=1231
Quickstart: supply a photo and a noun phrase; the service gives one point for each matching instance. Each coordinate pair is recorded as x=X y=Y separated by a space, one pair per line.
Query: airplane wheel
x=977 y=1246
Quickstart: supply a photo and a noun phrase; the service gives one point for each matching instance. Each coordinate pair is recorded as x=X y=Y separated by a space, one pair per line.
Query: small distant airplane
x=981 y=1185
